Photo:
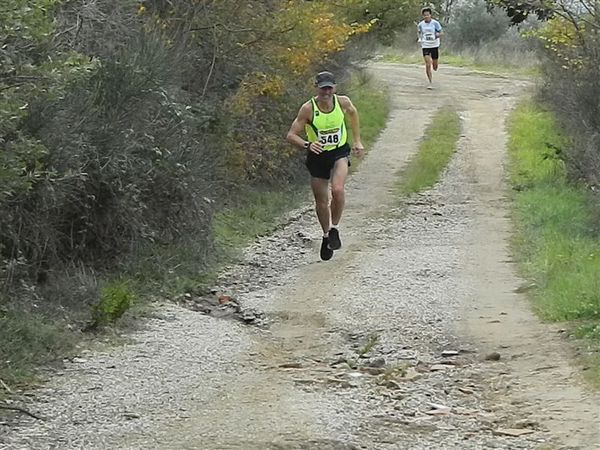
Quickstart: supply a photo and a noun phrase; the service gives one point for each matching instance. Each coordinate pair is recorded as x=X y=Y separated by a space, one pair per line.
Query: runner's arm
x=294 y=135
x=438 y=30
x=351 y=112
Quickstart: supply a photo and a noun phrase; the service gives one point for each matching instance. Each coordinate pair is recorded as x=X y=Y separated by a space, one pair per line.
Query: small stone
x=306 y=381
x=224 y=299
x=373 y=370
x=377 y=362
x=341 y=383
x=440 y=367
x=494 y=356
x=411 y=374
x=525 y=287
x=526 y=423
x=438 y=409
x=355 y=375
x=390 y=384
x=437 y=412
x=291 y=365
x=513 y=432
x=248 y=317
x=450 y=353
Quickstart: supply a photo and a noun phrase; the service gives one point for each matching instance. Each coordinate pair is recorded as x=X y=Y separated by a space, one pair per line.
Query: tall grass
x=30 y=340
x=435 y=150
x=558 y=243
x=372 y=103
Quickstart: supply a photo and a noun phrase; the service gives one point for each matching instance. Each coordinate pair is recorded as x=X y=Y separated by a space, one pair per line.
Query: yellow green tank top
x=327 y=128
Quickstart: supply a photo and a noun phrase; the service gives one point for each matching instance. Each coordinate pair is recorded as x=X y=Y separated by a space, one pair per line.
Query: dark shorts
x=320 y=165
x=433 y=52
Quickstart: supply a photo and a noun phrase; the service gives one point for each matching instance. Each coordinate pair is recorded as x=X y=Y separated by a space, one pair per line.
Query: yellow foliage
x=316 y=30
x=254 y=85
x=561 y=37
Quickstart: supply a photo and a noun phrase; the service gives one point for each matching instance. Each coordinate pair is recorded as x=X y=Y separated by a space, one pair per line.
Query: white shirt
x=427 y=33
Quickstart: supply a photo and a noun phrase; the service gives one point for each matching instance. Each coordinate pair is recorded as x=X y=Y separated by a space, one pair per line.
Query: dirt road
x=412 y=337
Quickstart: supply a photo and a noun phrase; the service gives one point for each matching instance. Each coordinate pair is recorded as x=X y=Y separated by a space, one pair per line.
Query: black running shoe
x=326 y=252
x=334 y=239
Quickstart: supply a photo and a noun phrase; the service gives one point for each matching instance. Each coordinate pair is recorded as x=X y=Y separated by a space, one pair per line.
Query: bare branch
x=5 y=386
x=212 y=65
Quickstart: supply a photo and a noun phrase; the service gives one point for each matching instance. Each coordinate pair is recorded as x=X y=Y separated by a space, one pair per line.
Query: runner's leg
x=320 y=188
x=338 y=179
x=428 y=64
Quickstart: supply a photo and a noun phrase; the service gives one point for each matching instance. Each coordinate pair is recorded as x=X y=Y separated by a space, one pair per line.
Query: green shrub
x=115 y=299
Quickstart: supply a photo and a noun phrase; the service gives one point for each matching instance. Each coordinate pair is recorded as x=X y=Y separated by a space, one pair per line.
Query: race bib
x=429 y=37
x=330 y=137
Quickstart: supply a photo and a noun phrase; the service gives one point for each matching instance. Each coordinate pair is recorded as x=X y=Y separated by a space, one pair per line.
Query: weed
x=115 y=299
x=372 y=341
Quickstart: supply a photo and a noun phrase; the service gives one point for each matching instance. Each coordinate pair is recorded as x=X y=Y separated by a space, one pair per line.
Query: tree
x=519 y=10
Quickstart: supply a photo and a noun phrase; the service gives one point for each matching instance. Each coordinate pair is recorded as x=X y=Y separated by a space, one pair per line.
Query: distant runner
x=322 y=119
x=429 y=31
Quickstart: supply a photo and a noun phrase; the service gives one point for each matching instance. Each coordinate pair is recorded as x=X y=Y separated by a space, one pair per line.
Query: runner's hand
x=315 y=147
x=358 y=149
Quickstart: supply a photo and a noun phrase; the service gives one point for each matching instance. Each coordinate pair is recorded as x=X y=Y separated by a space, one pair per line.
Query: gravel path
x=412 y=337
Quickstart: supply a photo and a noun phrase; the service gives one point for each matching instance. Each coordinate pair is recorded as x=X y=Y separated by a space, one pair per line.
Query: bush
x=115 y=299
x=124 y=164
x=572 y=87
x=473 y=23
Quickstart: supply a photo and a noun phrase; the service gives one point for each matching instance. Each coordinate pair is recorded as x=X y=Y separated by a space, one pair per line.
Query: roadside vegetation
x=142 y=142
x=558 y=238
x=558 y=205
x=435 y=150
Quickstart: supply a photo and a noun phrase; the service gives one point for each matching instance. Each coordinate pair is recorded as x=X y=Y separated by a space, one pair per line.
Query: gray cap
x=325 y=79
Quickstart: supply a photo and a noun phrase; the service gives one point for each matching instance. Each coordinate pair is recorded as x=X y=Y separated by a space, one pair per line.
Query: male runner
x=322 y=119
x=429 y=31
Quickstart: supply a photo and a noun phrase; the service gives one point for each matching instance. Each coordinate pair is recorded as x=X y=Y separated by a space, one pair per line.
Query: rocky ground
x=414 y=336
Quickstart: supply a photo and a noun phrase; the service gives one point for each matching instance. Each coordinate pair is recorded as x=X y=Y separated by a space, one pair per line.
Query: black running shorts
x=320 y=165
x=433 y=52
